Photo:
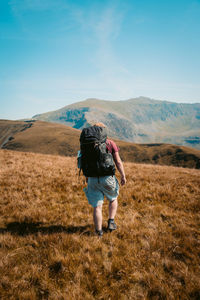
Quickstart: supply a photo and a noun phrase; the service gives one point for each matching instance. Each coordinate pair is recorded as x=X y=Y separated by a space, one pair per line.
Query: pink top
x=111 y=146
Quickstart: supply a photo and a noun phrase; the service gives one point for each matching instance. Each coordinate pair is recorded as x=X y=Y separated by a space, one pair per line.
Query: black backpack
x=96 y=160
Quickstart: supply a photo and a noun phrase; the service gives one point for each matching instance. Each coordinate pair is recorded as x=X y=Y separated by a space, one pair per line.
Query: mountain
x=58 y=139
x=139 y=120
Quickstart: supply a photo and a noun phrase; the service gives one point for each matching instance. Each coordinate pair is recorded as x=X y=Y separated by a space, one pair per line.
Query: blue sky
x=56 y=52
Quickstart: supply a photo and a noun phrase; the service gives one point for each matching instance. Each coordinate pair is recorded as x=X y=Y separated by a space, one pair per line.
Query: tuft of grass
x=48 y=249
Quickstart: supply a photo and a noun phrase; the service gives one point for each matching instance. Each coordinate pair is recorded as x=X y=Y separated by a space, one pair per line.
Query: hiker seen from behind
x=98 y=158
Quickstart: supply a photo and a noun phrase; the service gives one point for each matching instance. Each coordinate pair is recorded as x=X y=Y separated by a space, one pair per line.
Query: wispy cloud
x=112 y=71
x=100 y=26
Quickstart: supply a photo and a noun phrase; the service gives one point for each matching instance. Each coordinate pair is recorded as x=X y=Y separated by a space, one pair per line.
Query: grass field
x=48 y=249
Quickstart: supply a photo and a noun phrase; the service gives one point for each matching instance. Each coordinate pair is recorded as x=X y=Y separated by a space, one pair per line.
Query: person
x=108 y=186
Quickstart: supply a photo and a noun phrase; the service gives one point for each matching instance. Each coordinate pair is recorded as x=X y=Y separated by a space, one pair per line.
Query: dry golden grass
x=39 y=137
x=48 y=249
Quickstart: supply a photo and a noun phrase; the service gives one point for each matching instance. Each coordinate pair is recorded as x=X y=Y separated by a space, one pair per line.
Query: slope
x=48 y=250
x=140 y=120
x=58 y=139
x=40 y=137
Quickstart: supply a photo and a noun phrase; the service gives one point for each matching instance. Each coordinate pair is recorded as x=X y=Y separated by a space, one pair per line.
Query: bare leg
x=113 y=209
x=97 y=216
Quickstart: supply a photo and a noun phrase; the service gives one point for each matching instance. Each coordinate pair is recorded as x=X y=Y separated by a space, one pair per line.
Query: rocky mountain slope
x=58 y=139
x=139 y=120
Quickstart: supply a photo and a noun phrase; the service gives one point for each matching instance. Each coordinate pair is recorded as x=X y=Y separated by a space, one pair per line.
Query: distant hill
x=58 y=139
x=39 y=137
x=139 y=120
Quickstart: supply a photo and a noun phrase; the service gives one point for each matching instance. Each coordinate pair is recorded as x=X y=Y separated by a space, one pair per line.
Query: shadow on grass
x=26 y=228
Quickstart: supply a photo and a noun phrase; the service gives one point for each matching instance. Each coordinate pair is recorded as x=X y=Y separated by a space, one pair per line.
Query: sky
x=57 y=52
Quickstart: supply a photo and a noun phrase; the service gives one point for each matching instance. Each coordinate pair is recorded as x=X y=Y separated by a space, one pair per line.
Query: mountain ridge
x=140 y=120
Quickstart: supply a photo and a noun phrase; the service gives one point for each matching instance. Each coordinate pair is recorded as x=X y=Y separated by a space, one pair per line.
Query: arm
x=120 y=167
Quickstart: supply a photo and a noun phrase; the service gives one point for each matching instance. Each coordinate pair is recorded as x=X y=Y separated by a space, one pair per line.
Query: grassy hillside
x=9 y=128
x=162 y=154
x=53 y=138
x=48 y=249
x=41 y=137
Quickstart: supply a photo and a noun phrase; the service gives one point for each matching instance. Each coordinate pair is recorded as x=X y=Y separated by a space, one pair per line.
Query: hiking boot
x=99 y=232
x=111 y=225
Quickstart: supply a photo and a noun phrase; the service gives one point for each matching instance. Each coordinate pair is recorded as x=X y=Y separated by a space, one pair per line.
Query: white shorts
x=98 y=187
